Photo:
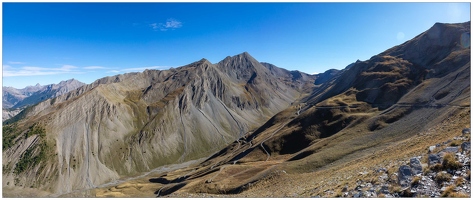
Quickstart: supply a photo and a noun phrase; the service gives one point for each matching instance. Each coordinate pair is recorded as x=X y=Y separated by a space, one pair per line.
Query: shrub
x=442 y=177
x=394 y=189
x=449 y=162
x=449 y=191
x=459 y=181
x=436 y=168
x=459 y=195
x=456 y=143
x=415 y=181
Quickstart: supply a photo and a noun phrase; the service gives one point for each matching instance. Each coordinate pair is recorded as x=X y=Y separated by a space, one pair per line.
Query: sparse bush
x=406 y=193
x=427 y=171
x=449 y=191
x=459 y=195
x=449 y=162
x=459 y=181
x=456 y=143
x=436 y=168
x=442 y=177
x=394 y=189
x=415 y=181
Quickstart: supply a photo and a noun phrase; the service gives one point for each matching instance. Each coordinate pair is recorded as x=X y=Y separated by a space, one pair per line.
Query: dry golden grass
x=459 y=181
x=449 y=191
x=415 y=180
x=442 y=177
x=456 y=143
x=459 y=195
x=449 y=162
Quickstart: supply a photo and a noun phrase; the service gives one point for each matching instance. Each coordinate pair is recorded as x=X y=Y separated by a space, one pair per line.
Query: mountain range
x=14 y=100
x=250 y=121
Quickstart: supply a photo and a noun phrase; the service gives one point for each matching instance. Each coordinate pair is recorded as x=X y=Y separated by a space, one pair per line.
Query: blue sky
x=49 y=42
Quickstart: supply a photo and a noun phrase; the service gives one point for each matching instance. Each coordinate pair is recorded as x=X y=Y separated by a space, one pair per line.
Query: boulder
x=451 y=149
x=466 y=146
x=434 y=159
x=465 y=132
x=431 y=149
x=416 y=166
x=405 y=176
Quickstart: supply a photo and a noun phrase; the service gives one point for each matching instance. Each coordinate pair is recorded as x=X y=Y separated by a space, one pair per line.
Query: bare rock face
x=128 y=124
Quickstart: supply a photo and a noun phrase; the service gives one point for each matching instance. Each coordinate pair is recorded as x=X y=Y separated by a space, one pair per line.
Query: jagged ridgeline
x=131 y=123
x=15 y=100
x=394 y=105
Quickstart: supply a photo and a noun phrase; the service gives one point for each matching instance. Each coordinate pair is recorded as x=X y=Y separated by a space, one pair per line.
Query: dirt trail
x=162 y=169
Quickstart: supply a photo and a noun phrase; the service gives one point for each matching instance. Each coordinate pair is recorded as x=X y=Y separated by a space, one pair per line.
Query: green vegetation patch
x=10 y=132
x=34 y=154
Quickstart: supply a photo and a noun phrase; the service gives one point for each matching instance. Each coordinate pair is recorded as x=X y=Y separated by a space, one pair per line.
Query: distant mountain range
x=248 y=119
x=14 y=100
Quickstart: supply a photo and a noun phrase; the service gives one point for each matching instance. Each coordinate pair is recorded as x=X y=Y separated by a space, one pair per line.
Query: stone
x=443 y=189
x=384 y=190
x=433 y=159
x=383 y=177
x=381 y=170
x=466 y=146
x=451 y=149
x=431 y=149
x=405 y=175
x=465 y=131
x=357 y=195
x=416 y=166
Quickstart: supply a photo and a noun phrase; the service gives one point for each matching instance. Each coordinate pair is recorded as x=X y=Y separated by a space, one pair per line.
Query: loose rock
x=466 y=146
x=433 y=159
x=405 y=175
x=416 y=166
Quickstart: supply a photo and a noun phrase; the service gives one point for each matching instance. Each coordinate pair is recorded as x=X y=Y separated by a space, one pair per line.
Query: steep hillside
x=129 y=124
x=393 y=101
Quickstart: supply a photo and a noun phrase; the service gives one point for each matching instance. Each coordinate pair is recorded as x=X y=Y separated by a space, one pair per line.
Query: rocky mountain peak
x=436 y=44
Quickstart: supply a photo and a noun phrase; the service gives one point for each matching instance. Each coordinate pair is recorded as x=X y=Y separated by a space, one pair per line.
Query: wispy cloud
x=9 y=71
x=170 y=24
x=136 y=69
x=16 y=63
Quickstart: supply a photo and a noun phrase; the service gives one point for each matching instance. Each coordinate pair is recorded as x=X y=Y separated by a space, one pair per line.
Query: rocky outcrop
x=434 y=181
